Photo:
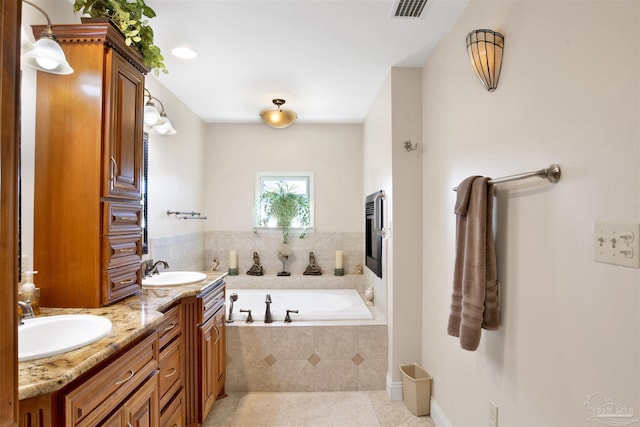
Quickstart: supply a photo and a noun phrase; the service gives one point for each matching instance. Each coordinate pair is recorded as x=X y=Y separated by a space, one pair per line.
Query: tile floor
x=315 y=409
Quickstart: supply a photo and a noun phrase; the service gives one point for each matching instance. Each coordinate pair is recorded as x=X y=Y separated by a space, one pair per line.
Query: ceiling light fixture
x=46 y=55
x=183 y=52
x=156 y=121
x=278 y=118
x=484 y=48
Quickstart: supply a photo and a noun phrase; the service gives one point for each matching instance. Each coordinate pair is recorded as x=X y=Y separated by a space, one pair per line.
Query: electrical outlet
x=493 y=414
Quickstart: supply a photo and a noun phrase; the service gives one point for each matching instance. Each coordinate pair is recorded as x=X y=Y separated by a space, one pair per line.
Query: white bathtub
x=312 y=304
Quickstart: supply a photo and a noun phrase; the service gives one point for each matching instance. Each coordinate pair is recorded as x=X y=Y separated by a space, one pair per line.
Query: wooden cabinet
x=206 y=351
x=172 y=360
x=88 y=170
x=213 y=348
x=127 y=385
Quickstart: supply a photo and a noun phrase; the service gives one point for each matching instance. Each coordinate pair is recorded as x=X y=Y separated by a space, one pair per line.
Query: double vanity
x=161 y=363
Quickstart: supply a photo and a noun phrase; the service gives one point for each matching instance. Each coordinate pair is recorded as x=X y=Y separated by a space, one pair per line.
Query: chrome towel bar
x=186 y=215
x=552 y=174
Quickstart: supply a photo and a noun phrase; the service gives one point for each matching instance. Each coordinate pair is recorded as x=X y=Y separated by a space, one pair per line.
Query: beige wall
x=569 y=93
x=396 y=117
x=234 y=153
x=176 y=168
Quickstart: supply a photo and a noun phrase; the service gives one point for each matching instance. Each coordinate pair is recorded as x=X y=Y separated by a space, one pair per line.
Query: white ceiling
x=326 y=58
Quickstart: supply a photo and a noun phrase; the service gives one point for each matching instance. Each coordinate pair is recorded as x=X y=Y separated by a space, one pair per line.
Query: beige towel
x=474 y=302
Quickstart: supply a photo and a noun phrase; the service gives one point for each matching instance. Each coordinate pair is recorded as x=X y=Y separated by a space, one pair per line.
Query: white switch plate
x=617 y=243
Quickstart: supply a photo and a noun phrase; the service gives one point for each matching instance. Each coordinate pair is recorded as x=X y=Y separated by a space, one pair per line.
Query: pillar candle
x=233 y=259
x=339 y=260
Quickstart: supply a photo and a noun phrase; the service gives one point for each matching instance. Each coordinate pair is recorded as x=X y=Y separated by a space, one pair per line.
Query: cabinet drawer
x=210 y=302
x=121 y=250
x=171 y=325
x=174 y=413
x=170 y=370
x=122 y=218
x=121 y=282
x=107 y=388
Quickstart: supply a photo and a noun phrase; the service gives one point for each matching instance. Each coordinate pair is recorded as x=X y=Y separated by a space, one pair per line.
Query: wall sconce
x=485 y=56
x=278 y=118
x=156 y=121
x=46 y=55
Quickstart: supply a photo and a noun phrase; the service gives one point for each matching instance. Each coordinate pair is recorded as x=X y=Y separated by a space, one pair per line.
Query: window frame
x=284 y=176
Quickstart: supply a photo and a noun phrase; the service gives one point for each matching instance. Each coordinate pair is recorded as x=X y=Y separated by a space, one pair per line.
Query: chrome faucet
x=267 y=314
x=27 y=311
x=150 y=271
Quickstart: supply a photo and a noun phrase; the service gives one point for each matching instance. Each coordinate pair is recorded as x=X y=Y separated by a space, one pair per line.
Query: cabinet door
x=208 y=375
x=142 y=409
x=123 y=129
x=221 y=352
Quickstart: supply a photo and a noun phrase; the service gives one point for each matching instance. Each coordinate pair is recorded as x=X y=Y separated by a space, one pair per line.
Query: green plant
x=128 y=17
x=284 y=206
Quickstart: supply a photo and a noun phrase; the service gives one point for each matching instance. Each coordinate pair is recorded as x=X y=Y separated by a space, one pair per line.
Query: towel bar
x=552 y=173
x=186 y=215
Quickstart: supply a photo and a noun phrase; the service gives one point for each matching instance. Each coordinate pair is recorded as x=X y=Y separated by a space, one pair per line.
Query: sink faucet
x=267 y=314
x=150 y=271
x=27 y=311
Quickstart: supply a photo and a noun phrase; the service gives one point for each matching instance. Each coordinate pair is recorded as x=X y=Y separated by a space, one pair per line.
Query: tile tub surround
x=306 y=356
x=131 y=318
x=267 y=242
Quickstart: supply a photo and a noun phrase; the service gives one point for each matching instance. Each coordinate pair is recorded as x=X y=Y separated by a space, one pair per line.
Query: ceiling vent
x=408 y=8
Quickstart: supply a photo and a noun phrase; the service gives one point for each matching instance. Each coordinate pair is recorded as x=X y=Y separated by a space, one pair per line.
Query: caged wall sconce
x=46 y=55
x=484 y=48
x=156 y=121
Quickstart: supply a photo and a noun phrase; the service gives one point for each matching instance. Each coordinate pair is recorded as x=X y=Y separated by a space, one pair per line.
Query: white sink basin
x=51 y=335
x=174 y=278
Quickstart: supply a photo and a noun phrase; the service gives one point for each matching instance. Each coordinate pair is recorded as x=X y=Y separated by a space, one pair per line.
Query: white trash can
x=416 y=389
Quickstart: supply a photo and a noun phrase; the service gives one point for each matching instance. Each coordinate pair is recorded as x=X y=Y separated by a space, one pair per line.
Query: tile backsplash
x=197 y=251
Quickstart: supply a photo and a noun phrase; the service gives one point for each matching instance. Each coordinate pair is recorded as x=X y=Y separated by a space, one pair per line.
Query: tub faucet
x=233 y=298
x=267 y=314
x=27 y=311
x=287 y=318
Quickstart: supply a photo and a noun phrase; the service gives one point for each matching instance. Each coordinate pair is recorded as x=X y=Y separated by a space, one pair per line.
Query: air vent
x=408 y=8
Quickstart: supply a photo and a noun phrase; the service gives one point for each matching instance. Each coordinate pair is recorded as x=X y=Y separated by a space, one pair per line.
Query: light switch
x=617 y=243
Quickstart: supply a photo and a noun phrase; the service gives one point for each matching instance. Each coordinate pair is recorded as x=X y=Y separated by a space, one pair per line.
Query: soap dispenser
x=29 y=291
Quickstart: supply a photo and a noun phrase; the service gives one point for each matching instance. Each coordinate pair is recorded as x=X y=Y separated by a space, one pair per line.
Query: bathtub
x=312 y=304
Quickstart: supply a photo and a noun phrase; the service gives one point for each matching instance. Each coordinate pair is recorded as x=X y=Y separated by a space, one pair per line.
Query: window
x=297 y=183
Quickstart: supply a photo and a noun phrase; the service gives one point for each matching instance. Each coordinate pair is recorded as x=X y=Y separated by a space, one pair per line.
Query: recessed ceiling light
x=184 y=52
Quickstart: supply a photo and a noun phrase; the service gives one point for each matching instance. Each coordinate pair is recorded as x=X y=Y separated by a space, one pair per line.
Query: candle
x=339 y=260
x=233 y=259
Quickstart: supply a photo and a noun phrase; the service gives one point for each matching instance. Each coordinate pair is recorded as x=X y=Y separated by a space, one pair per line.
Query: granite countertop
x=131 y=318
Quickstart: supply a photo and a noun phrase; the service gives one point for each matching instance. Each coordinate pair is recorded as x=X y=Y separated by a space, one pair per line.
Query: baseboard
x=437 y=415
x=394 y=389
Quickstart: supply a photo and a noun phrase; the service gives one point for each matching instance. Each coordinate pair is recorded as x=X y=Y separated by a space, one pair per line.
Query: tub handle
x=287 y=318
x=249 y=318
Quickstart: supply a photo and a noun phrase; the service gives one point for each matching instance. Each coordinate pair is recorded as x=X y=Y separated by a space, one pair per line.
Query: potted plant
x=285 y=206
x=129 y=19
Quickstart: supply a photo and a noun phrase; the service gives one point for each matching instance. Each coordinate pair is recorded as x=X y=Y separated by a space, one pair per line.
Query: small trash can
x=416 y=389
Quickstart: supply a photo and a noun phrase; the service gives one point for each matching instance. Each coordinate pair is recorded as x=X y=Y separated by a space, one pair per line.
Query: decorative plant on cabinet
x=129 y=19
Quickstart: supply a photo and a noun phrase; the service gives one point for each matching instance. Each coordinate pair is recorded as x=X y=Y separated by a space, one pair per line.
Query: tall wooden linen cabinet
x=88 y=170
